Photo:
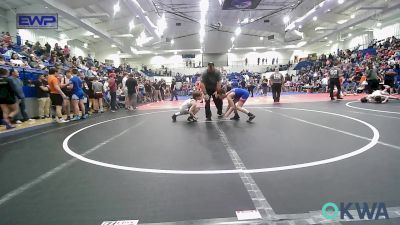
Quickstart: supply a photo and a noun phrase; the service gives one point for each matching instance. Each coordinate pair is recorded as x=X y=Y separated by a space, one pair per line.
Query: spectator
x=8 y=98
x=77 y=96
x=112 y=85
x=132 y=87
x=157 y=94
x=98 y=95
x=42 y=92
x=57 y=96
x=18 y=84
x=16 y=61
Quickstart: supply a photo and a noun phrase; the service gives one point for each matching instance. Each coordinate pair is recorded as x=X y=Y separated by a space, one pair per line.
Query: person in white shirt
x=379 y=96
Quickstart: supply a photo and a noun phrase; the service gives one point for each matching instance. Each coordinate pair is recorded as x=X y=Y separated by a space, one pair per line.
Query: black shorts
x=389 y=82
x=56 y=99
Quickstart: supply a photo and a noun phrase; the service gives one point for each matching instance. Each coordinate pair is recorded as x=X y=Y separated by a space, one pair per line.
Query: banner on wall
x=37 y=21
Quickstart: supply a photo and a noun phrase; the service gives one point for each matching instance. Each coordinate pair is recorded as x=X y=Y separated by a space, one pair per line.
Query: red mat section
x=262 y=100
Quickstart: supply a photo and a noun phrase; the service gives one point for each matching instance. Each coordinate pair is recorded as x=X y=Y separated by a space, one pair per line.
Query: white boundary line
x=373 y=142
x=373 y=110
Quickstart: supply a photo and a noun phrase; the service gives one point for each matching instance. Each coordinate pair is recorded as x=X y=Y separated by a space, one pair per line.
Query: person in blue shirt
x=77 y=94
x=236 y=99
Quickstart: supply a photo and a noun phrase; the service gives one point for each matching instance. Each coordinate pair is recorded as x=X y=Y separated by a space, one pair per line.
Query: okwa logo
x=375 y=211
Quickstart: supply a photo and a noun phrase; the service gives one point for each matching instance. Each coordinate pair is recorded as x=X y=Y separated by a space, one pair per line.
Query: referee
x=275 y=81
x=334 y=74
x=211 y=80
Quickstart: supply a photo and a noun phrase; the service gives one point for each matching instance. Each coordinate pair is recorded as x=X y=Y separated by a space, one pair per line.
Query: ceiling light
x=327 y=45
x=161 y=25
x=291 y=26
x=232 y=39
x=175 y=52
x=330 y=42
x=116 y=8
x=326 y=38
x=251 y=20
x=254 y=49
x=201 y=40
x=314 y=18
x=286 y=19
x=96 y=36
x=131 y=25
x=201 y=51
x=204 y=5
x=238 y=31
x=300 y=26
x=273 y=49
x=379 y=24
x=63 y=36
x=85 y=45
x=341 y=21
x=340 y=1
x=88 y=33
x=321 y=4
x=113 y=46
x=353 y=16
x=172 y=42
x=246 y=20
x=261 y=38
x=301 y=44
x=46 y=7
x=229 y=50
x=349 y=35
x=351 y=28
x=118 y=52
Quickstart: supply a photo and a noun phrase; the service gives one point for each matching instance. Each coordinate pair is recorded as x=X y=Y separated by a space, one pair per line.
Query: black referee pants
x=217 y=101
x=332 y=83
x=276 y=91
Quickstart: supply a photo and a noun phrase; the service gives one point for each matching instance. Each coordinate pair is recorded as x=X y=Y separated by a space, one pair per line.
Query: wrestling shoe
x=251 y=117
x=174 y=118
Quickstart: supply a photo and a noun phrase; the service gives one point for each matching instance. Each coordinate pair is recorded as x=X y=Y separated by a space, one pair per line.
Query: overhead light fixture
x=172 y=42
x=161 y=25
x=175 y=52
x=142 y=39
x=379 y=24
x=261 y=38
x=85 y=45
x=203 y=14
x=246 y=20
x=238 y=31
x=340 y=1
x=131 y=25
x=229 y=50
x=301 y=44
x=88 y=33
x=286 y=19
x=273 y=49
x=326 y=38
x=352 y=16
x=116 y=8
x=349 y=35
x=113 y=46
x=351 y=28
x=232 y=39
x=341 y=21
x=251 y=20
x=330 y=42
x=96 y=36
x=63 y=36
x=314 y=18
x=300 y=26
x=118 y=52
x=254 y=49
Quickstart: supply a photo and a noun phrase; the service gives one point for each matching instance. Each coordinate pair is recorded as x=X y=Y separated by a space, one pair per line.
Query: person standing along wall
x=19 y=85
x=42 y=92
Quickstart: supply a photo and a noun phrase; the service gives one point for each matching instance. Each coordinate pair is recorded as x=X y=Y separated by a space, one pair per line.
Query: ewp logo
x=331 y=211
x=37 y=21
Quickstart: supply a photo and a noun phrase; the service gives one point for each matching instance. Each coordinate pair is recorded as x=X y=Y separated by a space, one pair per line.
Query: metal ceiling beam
x=389 y=8
x=95 y=15
x=70 y=14
x=136 y=9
